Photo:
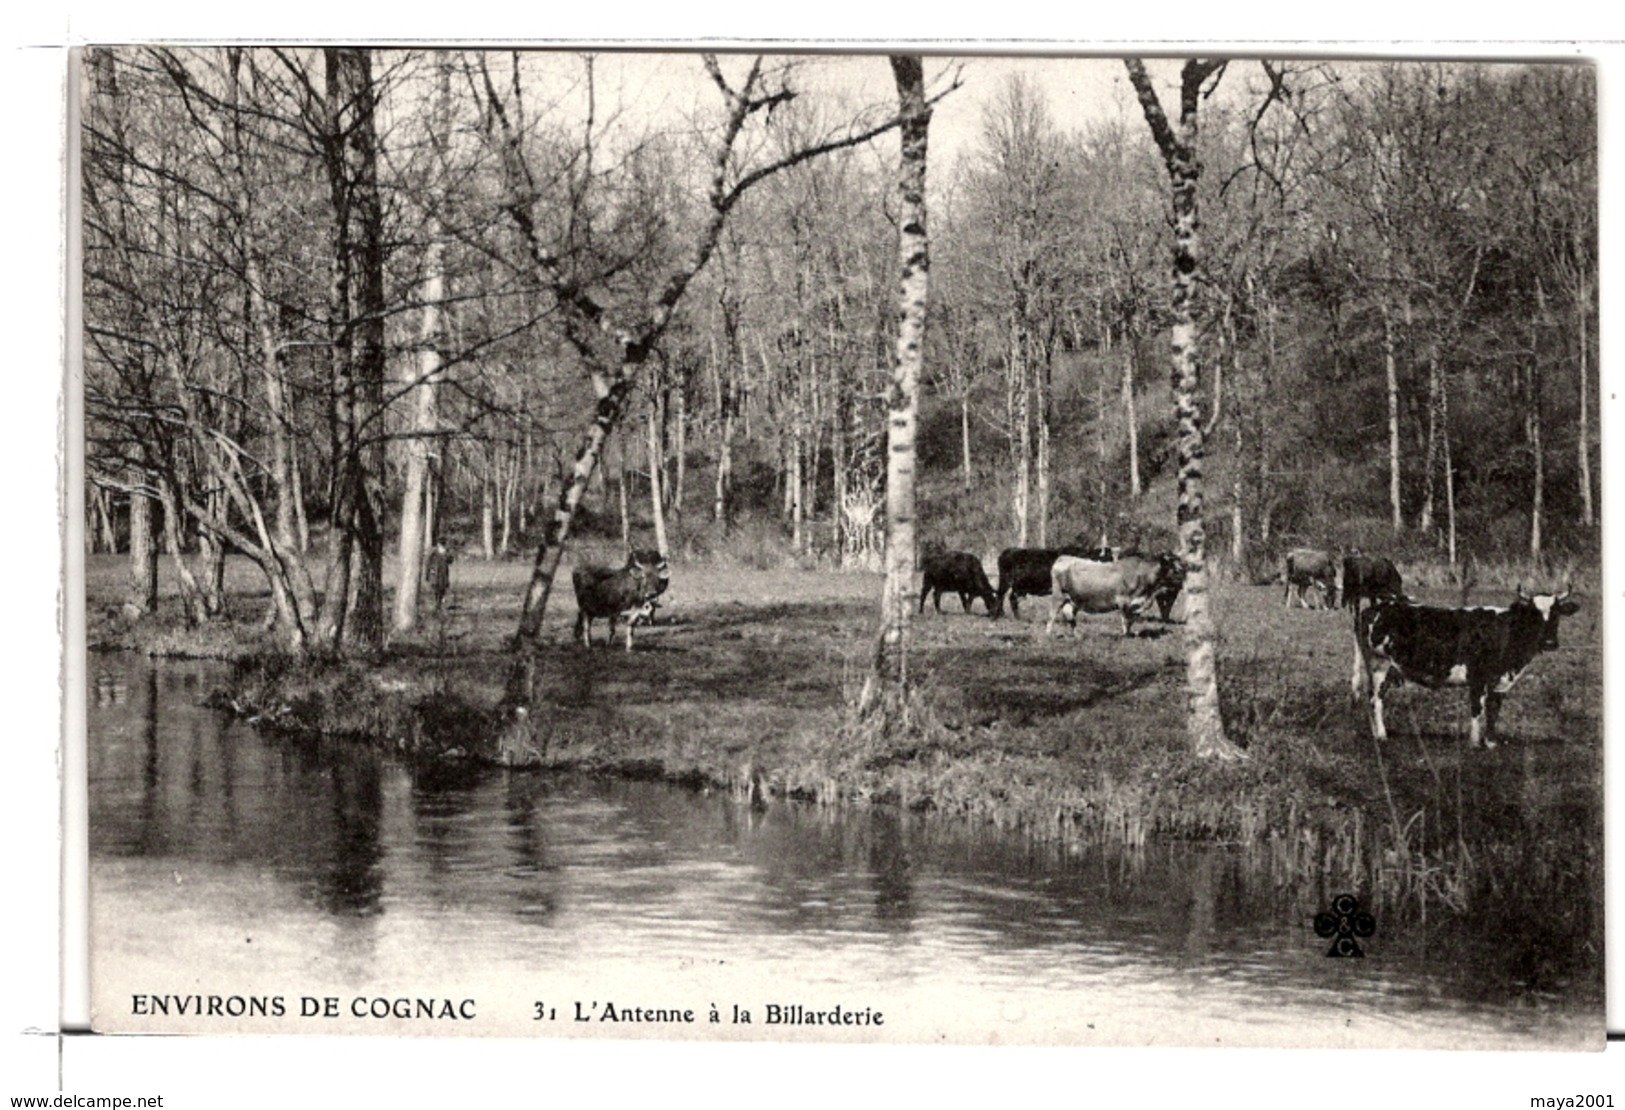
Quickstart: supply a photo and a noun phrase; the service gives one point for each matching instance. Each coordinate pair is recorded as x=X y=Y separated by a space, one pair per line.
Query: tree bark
x=143 y=593
x=415 y=496
x=1430 y=457
x=1021 y=437
x=1204 y=723
x=1537 y=497
x=657 y=501
x=1041 y=393
x=889 y=674
x=964 y=438
x=1391 y=369
x=1131 y=420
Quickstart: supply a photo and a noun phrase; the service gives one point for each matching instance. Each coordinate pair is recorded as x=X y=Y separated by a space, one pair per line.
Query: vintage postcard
x=841 y=549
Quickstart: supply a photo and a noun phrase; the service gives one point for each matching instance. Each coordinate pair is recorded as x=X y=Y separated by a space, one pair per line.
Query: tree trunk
x=889 y=675
x=1449 y=469
x=1041 y=409
x=1238 y=470
x=367 y=623
x=1391 y=367
x=414 y=499
x=1021 y=441
x=840 y=415
x=488 y=514
x=680 y=449
x=185 y=582
x=301 y=520
x=620 y=485
x=1131 y=420
x=1582 y=443
x=143 y=595
x=606 y=415
x=1430 y=458
x=964 y=437
x=1537 y=451
x=657 y=501
x=796 y=479
x=1204 y=723
x=507 y=501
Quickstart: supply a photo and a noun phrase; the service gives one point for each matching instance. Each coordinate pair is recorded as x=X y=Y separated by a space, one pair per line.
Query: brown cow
x=1129 y=586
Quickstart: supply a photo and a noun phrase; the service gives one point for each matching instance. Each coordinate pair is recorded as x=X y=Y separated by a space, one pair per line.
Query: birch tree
x=889 y=674
x=1203 y=722
x=612 y=340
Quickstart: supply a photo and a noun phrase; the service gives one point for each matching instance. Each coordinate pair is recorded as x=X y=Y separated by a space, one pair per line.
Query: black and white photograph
x=838 y=547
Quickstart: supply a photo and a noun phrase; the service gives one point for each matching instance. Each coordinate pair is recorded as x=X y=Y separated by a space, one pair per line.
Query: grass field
x=745 y=682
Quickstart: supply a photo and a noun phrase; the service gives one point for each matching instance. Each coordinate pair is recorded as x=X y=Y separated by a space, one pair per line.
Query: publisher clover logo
x=1345 y=921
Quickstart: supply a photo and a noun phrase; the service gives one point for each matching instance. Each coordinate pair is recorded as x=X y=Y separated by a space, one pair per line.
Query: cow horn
x=1567 y=587
x=1522 y=593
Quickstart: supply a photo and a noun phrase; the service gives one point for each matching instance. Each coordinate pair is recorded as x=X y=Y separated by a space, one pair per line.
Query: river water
x=245 y=882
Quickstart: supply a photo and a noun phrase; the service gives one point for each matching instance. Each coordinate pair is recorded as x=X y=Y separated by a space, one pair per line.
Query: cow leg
x=1484 y=704
x=1492 y=710
x=1378 y=676
x=965 y=600
x=583 y=628
x=924 y=589
x=1015 y=603
x=1054 y=608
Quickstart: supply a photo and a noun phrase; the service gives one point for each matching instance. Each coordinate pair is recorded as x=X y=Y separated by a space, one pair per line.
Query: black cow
x=1371 y=578
x=1127 y=586
x=627 y=592
x=1306 y=566
x=1173 y=580
x=1026 y=570
x=1483 y=648
x=955 y=572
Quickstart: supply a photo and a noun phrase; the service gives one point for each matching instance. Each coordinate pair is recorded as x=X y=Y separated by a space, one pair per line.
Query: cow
x=1306 y=566
x=651 y=557
x=1173 y=580
x=1128 y=586
x=1370 y=578
x=628 y=592
x=1026 y=570
x=1484 y=648
x=956 y=572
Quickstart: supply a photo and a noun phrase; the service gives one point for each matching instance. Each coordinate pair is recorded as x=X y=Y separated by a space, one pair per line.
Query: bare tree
x=889 y=674
x=612 y=342
x=1178 y=147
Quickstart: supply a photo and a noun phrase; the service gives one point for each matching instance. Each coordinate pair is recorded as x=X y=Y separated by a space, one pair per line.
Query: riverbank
x=744 y=686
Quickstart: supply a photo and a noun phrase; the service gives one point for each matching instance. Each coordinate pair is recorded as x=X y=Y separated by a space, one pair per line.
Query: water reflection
x=380 y=869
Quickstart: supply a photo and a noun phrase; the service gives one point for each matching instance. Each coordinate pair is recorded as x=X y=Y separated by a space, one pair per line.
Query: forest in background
x=341 y=300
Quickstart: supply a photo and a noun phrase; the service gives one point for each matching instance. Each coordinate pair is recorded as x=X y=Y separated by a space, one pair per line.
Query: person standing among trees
x=437 y=573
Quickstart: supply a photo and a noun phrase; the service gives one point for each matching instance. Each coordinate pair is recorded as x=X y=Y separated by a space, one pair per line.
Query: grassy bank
x=744 y=687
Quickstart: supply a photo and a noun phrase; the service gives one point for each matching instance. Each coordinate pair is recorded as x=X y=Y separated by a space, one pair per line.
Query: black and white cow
x=1483 y=648
x=954 y=572
x=1307 y=566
